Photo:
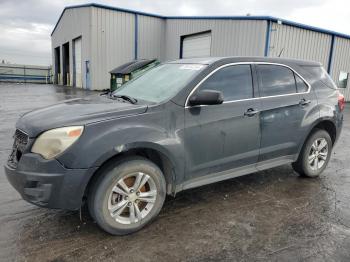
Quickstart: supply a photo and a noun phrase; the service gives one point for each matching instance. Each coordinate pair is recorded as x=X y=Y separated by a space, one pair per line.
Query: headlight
x=55 y=141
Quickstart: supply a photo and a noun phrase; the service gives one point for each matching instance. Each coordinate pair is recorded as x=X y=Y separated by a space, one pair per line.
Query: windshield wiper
x=126 y=98
x=106 y=93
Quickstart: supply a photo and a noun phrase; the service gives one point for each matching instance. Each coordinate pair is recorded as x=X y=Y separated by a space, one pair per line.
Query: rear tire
x=127 y=196
x=315 y=154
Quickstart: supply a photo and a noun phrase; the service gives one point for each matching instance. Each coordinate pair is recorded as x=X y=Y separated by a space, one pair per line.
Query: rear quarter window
x=319 y=73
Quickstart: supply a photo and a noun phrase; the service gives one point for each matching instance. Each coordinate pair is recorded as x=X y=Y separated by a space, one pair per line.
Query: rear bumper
x=47 y=183
x=339 y=127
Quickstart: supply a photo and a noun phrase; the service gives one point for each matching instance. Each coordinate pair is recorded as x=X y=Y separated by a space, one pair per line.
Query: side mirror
x=206 y=97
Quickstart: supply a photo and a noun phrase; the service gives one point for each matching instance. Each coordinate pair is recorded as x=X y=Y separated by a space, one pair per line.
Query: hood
x=78 y=111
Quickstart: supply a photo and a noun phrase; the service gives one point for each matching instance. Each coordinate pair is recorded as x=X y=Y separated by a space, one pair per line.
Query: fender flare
x=123 y=148
x=177 y=167
x=314 y=124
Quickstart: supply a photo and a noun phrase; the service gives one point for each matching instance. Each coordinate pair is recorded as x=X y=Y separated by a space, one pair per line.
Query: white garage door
x=77 y=62
x=196 y=45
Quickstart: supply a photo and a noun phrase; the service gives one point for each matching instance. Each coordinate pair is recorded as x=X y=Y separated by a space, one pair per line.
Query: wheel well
x=329 y=127
x=152 y=155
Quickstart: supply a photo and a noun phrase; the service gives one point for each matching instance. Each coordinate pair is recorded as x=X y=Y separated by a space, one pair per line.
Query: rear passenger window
x=235 y=82
x=276 y=80
x=301 y=85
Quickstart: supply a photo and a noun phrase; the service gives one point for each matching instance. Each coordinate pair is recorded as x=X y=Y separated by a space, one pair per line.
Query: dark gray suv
x=181 y=125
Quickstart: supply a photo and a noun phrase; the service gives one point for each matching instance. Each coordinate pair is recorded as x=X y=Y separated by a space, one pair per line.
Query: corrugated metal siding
x=229 y=37
x=299 y=43
x=112 y=43
x=74 y=23
x=341 y=62
x=151 y=37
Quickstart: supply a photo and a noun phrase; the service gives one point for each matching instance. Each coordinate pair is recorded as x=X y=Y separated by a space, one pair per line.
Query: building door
x=87 y=75
x=77 y=76
x=57 y=79
x=66 y=66
x=197 y=45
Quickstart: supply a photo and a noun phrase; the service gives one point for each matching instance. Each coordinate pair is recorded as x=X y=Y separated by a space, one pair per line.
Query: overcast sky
x=26 y=25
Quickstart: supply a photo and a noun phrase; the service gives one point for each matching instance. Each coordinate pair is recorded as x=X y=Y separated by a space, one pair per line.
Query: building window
x=343 y=79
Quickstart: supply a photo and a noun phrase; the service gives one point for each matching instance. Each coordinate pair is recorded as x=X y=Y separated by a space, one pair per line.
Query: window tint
x=235 y=82
x=301 y=85
x=276 y=80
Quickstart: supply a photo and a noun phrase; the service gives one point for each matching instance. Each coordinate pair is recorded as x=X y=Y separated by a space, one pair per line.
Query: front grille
x=19 y=145
x=21 y=137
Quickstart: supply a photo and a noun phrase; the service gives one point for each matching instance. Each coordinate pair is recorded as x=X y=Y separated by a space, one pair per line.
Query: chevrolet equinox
x=181 y=125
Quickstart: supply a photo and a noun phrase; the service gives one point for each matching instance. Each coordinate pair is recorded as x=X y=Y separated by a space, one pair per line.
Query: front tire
x=127 y=196
x=315 y=154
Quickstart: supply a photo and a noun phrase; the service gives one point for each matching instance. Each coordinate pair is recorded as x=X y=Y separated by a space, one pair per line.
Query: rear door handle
x=304 y=102
x=250 y=112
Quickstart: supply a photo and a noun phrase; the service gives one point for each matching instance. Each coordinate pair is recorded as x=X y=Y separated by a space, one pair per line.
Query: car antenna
x=281 y=52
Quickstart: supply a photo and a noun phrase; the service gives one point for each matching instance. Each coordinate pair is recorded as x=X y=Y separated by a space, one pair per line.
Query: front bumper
x=48 y=183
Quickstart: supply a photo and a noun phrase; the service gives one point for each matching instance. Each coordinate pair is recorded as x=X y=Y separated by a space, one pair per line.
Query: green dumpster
x=130 y=70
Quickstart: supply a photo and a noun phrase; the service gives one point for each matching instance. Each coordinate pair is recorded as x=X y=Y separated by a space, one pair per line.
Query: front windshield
x=160 y=83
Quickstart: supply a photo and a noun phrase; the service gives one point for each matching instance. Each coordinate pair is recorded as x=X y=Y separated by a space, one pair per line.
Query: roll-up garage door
x=196 y=45
x=77 y=62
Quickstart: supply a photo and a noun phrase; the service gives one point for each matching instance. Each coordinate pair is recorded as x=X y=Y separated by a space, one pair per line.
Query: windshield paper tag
x=192 y=67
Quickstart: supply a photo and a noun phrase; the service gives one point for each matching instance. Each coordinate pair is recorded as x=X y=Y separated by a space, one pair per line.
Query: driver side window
x=235 y=82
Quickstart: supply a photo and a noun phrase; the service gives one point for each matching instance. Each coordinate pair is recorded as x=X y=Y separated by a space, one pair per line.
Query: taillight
x=341 y=101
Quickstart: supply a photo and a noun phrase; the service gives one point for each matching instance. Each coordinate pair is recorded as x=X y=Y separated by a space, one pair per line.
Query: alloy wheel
x=132 y=198
x=318 y=154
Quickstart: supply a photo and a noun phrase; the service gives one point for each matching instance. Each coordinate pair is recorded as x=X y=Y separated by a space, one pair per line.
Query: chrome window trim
x=253 y=98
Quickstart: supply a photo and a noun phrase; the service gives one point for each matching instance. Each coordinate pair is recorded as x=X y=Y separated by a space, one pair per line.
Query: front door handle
x=250 y=112
x=304 y=102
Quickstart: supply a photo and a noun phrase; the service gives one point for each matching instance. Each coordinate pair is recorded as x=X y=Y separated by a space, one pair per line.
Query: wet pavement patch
x=272 y=215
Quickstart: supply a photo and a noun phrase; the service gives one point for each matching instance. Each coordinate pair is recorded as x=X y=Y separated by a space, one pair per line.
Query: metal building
x=90 y=40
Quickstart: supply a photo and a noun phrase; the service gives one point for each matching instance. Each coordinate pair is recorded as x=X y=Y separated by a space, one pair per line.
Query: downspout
x=136 y=36
x=330 y=59
x=267 y=39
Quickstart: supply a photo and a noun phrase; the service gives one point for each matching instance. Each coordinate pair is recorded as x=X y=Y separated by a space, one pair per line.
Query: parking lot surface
x=266 y=216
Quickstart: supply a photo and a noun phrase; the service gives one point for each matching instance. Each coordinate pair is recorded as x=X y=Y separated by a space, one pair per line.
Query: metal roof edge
x=66 y=8
x=308 y=27
x=105 y=7
x=126 y=10
x=266 y=18
x=221 y=17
